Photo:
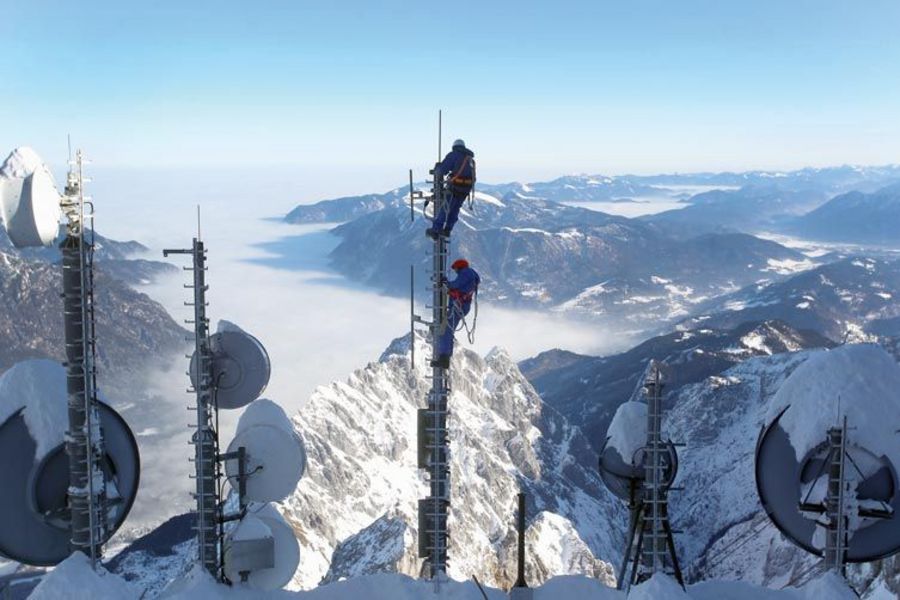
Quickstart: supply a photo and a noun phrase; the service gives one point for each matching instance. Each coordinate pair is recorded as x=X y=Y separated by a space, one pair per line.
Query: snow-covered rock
x=355 y=512
x=73 y=579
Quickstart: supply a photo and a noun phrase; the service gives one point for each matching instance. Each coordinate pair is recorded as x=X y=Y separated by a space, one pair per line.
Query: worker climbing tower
x=433 y=434
x=639 y=467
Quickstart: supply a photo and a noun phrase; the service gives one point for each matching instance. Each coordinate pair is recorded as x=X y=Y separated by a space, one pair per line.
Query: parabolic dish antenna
x=33 y=496
x=240 y=368
x=858 y=382
x=622 y=466
x=276 y=456
x=259 y=524
x=29 y=202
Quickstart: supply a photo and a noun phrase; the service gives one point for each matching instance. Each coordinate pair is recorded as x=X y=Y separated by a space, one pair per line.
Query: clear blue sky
x=537 y=88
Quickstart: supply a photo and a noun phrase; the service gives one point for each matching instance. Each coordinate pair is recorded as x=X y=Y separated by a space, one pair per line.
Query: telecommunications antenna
x=35 y=472
x=275 y=455
x=829 y=481
x=240 y=367
x=228 y=370
x=29 y=202
x=639 y=466
x=80 y=492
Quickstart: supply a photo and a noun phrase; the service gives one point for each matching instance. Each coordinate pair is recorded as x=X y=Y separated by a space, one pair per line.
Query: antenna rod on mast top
x=439 y=135
x=199 y=237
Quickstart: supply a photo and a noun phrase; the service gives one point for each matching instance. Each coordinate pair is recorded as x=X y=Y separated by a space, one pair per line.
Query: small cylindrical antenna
x=520 y=528
x=199 y=237
x=412 y=316
x=439 y=135
x=412 y=207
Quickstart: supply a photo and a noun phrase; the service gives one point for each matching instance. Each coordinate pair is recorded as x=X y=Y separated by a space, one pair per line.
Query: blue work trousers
x=455 y=314
x=448 y=215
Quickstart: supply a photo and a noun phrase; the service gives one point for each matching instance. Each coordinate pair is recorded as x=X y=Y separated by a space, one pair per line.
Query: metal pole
x=204 y=438
x=84 y=442
x=835 y=539
x=434 y=437
x=520 y=528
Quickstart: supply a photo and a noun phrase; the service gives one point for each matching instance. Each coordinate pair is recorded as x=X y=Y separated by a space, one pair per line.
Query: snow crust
x=21 y=162
x=73 y=579
x=40 y=387
x=859 y=381
x=627 y=432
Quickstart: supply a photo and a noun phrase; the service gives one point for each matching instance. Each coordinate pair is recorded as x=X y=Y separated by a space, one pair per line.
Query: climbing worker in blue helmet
x=459 y=169
x=461 y=292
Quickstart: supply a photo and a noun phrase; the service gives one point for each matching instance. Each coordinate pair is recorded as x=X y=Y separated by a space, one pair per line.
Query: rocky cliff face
x=355 y=512
x=133 y=331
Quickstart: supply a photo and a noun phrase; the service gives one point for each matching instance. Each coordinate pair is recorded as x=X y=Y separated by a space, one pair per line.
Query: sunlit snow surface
x=74 y=580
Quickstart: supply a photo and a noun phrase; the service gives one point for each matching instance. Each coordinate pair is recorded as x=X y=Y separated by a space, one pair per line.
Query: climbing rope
x=470 y=333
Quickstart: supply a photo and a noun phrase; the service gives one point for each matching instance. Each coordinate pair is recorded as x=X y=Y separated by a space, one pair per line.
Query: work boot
x=442 y=361
x=445 y=233
x=431 y=233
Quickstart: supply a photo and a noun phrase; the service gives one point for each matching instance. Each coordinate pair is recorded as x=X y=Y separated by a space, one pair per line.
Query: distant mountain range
x=843 y=300
x=533 y=252
x=749 y=209
x=588 y=389
x=855 y=217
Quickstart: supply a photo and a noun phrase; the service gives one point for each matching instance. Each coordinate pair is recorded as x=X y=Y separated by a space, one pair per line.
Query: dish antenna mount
x=229 y=369
x=78 y=492
x=639 y=467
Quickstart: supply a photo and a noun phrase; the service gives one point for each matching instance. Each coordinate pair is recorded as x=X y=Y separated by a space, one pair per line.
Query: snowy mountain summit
x=355 y=513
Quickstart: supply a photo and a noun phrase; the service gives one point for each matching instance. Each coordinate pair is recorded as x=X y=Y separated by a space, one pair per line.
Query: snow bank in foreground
x=73 y=579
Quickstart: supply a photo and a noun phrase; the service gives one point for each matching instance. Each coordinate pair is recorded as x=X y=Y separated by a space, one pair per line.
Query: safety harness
x=458 y=180
x=461 y=298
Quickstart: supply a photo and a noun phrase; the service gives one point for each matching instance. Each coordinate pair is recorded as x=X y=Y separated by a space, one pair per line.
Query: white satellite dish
x=240 y=368
x=262 y=551
x=276 y=456
x=29 y=202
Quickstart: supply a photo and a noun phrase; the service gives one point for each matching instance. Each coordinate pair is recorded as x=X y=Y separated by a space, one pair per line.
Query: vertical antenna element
x=520 y=530
x=439 y=135
x=84 y=439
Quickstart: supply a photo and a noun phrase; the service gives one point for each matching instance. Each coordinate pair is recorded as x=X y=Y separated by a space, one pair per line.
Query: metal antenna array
x=835 y=513
x=84 y=441
x=642 y=477
x=205 y=438
x=835 y=496
x=433 y=433
x=655 y=550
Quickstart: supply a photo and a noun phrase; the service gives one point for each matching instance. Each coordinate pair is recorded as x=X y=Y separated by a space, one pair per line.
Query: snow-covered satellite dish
x=240 y=368
x=29 y=201
x=859 y=382
x=622 y=458
x=276 y=456
x=262 y=549
x=34 y=495
x=35 y=471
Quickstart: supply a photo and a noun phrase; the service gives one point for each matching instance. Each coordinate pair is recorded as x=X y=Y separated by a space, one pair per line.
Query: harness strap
x=455 y=178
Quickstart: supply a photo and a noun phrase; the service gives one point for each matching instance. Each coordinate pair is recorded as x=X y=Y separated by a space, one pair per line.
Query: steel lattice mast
x=434 y=439
x=205 y=437
x=84 y=440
